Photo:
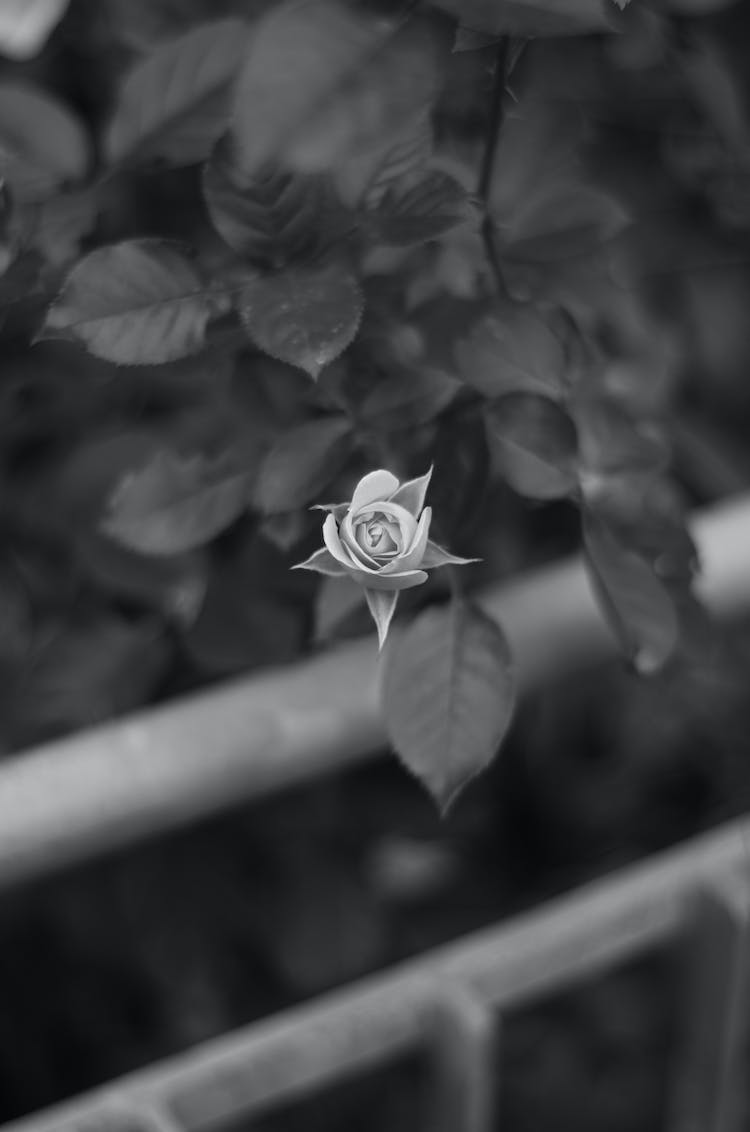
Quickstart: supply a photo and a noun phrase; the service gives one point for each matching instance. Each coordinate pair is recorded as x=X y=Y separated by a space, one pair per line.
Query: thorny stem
x=492 y=137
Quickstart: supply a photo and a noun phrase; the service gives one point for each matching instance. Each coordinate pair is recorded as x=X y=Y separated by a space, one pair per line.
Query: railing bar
x=570 y=938
x=161 y=768
x=710 y=1075
x=462 y=1034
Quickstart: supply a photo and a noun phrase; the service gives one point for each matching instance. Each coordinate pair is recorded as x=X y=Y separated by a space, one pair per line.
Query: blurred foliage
x=506 y=238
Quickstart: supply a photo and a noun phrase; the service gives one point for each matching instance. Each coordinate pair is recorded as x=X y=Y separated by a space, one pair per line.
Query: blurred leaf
x=533 y=17
x=88 y=672
x=275 y=216
x=448 y=696
x=252 y=616
x=412 y=212
x=324 y=45
x=718 y=91
x=407 y=398
x=301 y=462
x=335 y=600
x=612 y=441
x=136 y=303
x=58 y=225
x=16 y=615
x=175 y=503
x=173 y=586
x=536 y=445
x=174 y=104
x=406 y=158
x=461 y=458
x=512 y=351
x=637 y=606
x=356 y=77
x=25 y=26
x=286 y=528
x=467 y=39
x=42 y=144
x=303 y=315
x=560 y=221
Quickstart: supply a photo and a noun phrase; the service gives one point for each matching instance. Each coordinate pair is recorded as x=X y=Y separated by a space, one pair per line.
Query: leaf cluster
x=252 y=251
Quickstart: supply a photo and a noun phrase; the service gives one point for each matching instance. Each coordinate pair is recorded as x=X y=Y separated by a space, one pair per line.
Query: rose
x=380 y=539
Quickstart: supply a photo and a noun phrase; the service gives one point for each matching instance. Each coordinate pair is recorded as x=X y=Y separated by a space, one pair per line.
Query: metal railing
x=164 y=767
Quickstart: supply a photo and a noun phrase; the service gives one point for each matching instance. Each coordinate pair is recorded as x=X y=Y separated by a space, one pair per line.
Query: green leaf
x=613 y=442
x=412 y=212
x=25 y=26
x=531 y=18
x=407 y=398
x=637 y=607
x=513 y=351
x=175 y=503
x=536 y=445
x=301 y=462
x=138 y=302
x=42 y=144
x=560 y=221
x=175 y=103
x=274 y=217
x=323 y=45
x=173 y=586
x=407 y=157
x=303 y=315
x=356 y=77
x=448 y=696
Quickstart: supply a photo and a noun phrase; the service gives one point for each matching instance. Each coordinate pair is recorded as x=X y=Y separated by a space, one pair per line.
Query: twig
x=492 y=137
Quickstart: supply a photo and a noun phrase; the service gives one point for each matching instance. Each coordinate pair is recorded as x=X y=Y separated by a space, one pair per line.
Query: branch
x=495 y=118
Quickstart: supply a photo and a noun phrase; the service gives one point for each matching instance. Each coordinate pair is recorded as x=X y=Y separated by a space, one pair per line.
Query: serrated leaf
x=530 y=18
x=175 y=103
x=305 y=316
x=273 y=218
x=175 y=503
x=416 y=211
x=137 y=303
x=301 y=462
x=536 y=445
x=357 y=76
x=637 y=607
x=25 y=26
x=42 y=143
x=448 y=696
x=513 y=351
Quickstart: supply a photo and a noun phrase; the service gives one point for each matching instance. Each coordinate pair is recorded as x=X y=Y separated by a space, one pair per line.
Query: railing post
x=462 y=1036
x=710 y=1074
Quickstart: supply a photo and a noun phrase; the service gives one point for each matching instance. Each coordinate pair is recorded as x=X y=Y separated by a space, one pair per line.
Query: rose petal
x=403 y=581
x=382 y=605
x=407 y=524
x=356 y=552
x=375 y=485
x=411 y=494
x=322 y=562
x=333 y=542
x=435 y=556
x=415 y=555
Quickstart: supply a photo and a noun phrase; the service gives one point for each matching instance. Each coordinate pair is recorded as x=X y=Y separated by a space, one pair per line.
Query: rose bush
x=380 y=539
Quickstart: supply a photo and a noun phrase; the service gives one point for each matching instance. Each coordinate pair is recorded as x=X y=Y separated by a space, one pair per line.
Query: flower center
x=374 y=535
